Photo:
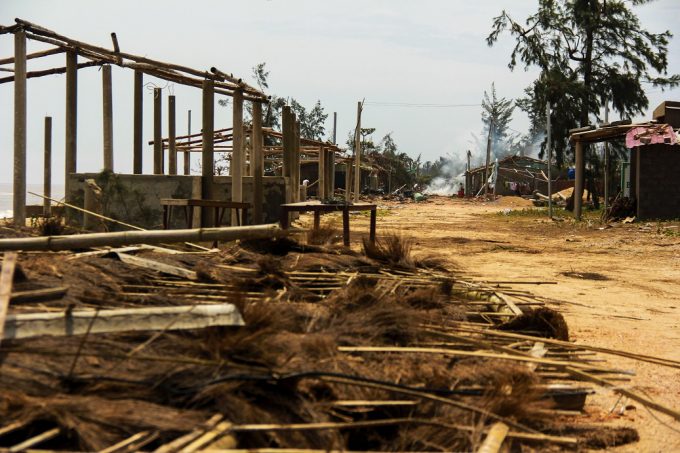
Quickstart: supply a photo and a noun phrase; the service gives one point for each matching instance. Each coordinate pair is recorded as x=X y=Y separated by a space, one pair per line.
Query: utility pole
x=606 y=161
x=488 y=160
x=467 y=175
x=547 y=112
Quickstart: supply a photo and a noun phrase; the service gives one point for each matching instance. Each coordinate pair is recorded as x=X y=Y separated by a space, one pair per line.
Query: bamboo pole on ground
x=140 y=237
x=187 y=156
x=493 y=443
x=71 y=120
x=107 y=103
x=19 y=182
x=157 y=131
x=47 y=168
x=578 y=183
x=208 y=158
x=257 y=162
x=138 y=141
x=172 y=143
x=237 y=154
x=357 y=156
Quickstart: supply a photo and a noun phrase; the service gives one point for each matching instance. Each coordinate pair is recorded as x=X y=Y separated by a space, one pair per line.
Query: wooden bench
x=317 y=207
x=190 y=203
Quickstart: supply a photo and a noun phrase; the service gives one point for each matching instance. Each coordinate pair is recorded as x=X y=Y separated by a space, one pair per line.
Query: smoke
x=450 y=175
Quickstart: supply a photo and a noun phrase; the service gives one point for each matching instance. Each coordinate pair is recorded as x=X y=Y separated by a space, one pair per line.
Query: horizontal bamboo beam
x=68 y=323
x=45 y=72
x=141 y=237
x=30 y=56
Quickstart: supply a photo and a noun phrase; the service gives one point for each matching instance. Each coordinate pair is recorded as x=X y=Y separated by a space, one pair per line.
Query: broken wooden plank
x=156 y=266
x=6 y=276
x=121 y=320
x=39 y=295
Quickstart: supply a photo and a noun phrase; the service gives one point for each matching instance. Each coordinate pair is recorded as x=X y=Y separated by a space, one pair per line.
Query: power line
x=406 y=104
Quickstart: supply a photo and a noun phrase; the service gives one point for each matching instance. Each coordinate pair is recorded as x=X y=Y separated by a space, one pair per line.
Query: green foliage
x=588 y=51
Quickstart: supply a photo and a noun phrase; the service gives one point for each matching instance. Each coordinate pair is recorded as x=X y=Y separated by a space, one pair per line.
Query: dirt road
x=623 y=283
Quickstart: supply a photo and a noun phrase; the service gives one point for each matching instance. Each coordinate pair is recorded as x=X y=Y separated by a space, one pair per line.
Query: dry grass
x=394 y=249
x=327 y=234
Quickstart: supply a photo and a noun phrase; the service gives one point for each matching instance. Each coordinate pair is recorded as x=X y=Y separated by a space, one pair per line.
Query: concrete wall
x=135 y=199
x=658 y=182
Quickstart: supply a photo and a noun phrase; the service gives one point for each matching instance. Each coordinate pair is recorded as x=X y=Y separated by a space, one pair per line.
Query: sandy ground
x=632 y=303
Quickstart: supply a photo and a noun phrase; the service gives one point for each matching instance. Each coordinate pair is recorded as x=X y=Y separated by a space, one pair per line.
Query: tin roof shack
x=519 y=175
x=654 y=161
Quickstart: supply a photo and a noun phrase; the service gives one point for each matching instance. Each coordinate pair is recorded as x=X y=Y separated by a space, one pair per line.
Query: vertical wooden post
x=579 y=179
x=488 y=160
x=157 y=131
x=107 y=102
x=172 y=142
x=19 y=181
x=71 y=119
x=257 y=164
x=606 y=161
x=208 y=157
x=288 y=128
x=550 y=207
x=137 y=141
x=348 y=180
x=47 y=169
x=237 y=152
x=330 y=168
x=296 y=165
x=321 y=185
x=357 y=156
x=187 y=155
x=468 y=178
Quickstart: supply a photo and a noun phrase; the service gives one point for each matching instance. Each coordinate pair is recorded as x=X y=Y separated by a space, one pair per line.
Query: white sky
x=425 y=52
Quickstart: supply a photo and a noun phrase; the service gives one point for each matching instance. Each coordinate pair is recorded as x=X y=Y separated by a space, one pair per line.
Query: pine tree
x=588 y=51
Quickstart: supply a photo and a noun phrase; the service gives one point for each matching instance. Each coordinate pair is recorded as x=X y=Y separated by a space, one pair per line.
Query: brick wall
x=658 y=182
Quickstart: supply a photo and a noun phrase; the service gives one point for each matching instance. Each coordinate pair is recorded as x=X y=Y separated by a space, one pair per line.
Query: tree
x=311 y=122
x=497 y=114
x=588 y=51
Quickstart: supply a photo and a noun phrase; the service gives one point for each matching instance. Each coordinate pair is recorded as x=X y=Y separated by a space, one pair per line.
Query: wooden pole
x=288 y=129
x=322 y=173
x=348 y=180
x=578 y=183
x=107 y=103
x=357 y=156
x=330 y=173
x=187 y=156
x=237 y=154
x=7 y=272
x=332 y=157
x=47 y=168
x=138 y=141
x=71 y=119
x=547 y=114
x=257 y=164
x=208 y=158
x=123 y=238
x=296 y=165
x=158 y=131
x=488 y=161
x=468 y=178
x=19 y=181
x=172 y=143
x=606 y=161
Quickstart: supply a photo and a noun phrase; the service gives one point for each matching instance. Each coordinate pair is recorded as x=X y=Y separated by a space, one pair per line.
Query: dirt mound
x=513 y=202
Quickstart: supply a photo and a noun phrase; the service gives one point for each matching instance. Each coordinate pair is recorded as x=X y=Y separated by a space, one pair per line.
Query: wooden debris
x=6 y=277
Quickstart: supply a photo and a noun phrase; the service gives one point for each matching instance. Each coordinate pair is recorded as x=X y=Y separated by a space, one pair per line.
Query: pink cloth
x=632 y=142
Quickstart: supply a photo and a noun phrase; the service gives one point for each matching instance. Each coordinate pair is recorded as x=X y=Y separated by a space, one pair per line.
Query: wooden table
x=190 y=203
x=317 y=207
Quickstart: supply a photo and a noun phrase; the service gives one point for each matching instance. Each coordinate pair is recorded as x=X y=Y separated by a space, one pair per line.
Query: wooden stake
x=237 y=155
x=138 y=141
x=157 y=132
x=71 y=120
x=257 y=162
x=47 y=168
x=19 y=182
x=207 y=158
x=107 y=92
x=172 y=145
